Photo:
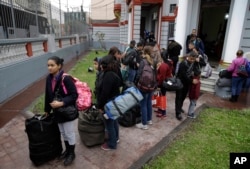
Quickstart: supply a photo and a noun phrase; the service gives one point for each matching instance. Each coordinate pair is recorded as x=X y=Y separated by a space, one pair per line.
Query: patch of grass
x=80 y=71
x=208 y=141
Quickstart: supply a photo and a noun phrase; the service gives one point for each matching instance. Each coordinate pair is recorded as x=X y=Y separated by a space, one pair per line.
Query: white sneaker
x=150 y=122
x=141 y=126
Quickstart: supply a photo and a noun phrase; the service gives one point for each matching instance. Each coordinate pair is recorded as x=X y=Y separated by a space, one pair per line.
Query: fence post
x=50 y=44
x=45 y=46
x=29 y=49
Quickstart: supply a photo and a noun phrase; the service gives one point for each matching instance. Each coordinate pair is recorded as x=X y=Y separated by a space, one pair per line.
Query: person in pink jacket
x=237 y=81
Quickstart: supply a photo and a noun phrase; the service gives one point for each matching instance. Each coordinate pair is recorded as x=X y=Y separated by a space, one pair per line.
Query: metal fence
x=31 y=18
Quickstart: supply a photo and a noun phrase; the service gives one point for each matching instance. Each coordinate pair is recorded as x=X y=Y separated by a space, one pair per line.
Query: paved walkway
x=136 y=146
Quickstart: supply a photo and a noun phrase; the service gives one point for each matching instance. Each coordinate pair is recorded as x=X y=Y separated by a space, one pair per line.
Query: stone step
x=208 y=84
x=205 y=89
x=210 y=79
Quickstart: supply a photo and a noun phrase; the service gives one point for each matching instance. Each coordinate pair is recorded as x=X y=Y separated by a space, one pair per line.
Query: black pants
x=180 y=97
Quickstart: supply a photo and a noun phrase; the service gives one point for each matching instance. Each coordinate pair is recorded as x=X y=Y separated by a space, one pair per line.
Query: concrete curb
x=166 y=141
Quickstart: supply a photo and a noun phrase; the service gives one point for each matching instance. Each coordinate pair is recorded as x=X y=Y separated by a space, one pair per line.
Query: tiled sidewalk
x=134 y=143
x=135 y=148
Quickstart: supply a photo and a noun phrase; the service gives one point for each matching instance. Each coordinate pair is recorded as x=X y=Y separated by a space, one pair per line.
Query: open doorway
x=212 y=26
x=149 y=21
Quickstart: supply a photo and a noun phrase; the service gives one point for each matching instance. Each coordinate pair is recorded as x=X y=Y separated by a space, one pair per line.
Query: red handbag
x=159 y=101
x=154 y=101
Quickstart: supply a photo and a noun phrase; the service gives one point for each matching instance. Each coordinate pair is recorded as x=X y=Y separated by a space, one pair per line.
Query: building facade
x=223 y=25
x=102 y=10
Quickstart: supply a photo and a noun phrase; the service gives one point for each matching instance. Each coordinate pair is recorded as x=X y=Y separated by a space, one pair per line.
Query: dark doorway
x=142 y=30
x=212 y=26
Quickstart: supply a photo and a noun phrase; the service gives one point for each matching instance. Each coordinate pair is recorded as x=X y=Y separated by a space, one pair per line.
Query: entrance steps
x=208 y=84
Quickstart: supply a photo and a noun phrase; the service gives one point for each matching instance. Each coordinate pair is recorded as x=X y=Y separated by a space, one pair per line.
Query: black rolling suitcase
x=44 y=139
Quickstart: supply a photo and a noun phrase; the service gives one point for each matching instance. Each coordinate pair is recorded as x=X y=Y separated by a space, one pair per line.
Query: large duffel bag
x=224 y=82
x=91 y=127
x=131 y=117
x=223 y=92
x=44 y=138
x=122 y=103
x=224 y=73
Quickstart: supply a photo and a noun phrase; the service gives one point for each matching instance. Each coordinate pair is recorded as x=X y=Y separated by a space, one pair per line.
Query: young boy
x=194 y=90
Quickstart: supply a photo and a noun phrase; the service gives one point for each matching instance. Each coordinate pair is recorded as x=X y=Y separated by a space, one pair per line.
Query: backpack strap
x=63 y=86
x=63 y=76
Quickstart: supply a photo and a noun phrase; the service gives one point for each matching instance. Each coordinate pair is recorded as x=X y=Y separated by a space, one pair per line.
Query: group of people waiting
x=119 y=67
x=114 y=70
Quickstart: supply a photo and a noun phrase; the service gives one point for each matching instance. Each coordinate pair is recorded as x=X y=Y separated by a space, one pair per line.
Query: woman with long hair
x=54 y=89
x=109 y=88
x=146 y=103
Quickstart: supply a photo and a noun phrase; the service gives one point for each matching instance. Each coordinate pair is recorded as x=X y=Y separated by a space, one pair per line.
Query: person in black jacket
x=109 y=89
x=185 y=73
x=53 y=83
x=173 y=51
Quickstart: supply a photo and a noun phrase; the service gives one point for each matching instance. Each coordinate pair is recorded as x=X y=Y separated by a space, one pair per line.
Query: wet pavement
x=135 y=148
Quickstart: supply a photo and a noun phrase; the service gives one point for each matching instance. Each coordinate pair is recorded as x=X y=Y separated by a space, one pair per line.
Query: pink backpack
x=84 y=99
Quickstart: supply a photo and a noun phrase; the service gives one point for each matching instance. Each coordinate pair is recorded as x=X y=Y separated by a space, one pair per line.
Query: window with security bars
x=172 y=8
x=171 y=29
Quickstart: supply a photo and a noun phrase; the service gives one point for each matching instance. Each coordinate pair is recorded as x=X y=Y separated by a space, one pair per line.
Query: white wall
x=111 y=33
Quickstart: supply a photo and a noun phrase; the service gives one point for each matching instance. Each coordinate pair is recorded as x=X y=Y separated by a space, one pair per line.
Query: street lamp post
x=60 y=22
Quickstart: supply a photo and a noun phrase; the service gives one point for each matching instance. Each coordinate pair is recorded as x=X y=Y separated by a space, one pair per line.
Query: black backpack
x=130 y=58
x=131 y=117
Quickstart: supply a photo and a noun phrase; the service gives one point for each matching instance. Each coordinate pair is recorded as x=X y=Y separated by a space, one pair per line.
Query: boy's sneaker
x=118 y=141
x=163 y=116
x=141 y=126
x=192 y=116
x=105 y=147
x=150 y=122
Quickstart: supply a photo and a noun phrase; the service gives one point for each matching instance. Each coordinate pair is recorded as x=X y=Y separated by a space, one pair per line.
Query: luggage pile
x=223 y=84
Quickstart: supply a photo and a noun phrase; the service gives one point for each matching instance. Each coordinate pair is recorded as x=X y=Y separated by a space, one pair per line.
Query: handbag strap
x=119 y=110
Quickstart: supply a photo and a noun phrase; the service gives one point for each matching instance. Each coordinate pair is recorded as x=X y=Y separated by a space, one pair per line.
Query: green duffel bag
x=91 y=127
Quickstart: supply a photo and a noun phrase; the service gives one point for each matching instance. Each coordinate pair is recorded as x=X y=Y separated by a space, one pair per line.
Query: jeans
x=247 y=84
x=131 y=74
x=67 y=130
x=191 y=106
x=237 y=83
x=146 y=107
x=113 y=133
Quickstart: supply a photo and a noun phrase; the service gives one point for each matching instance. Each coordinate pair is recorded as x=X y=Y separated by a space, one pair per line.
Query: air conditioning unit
x=155 y=15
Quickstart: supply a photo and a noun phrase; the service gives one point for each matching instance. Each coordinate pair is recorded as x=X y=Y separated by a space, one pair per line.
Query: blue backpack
x=248 y=67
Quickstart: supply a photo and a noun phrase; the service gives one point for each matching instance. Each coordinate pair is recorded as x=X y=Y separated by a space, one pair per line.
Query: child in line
x=194 y=90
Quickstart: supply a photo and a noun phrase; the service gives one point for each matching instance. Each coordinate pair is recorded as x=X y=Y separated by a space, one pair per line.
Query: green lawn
x=208 y=141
